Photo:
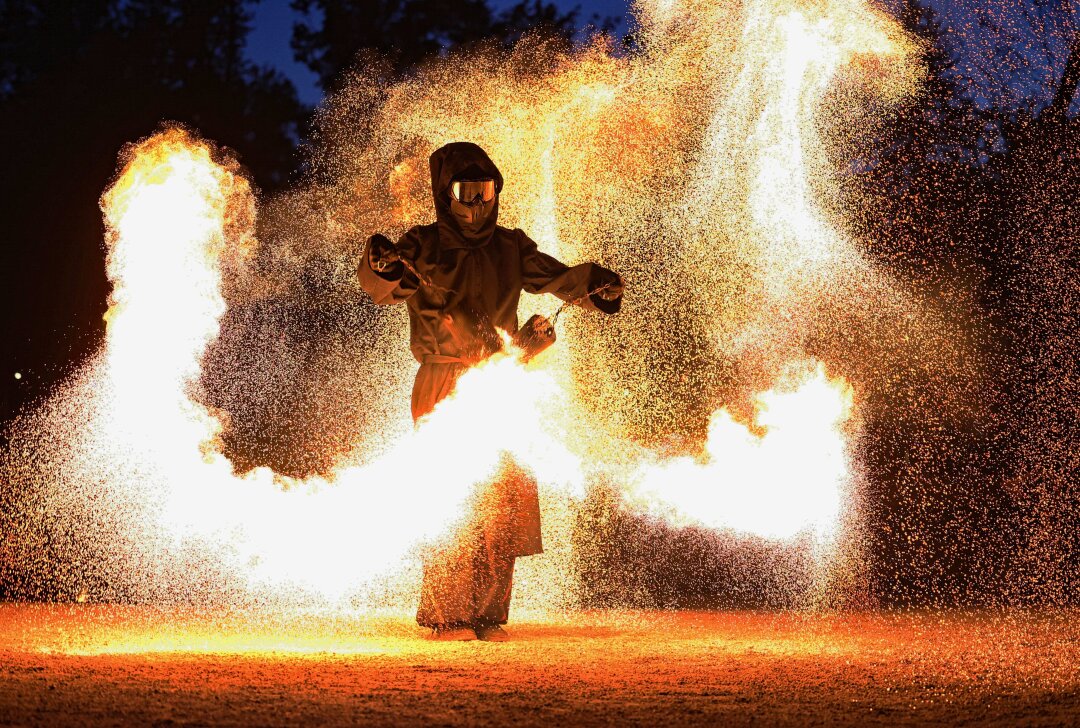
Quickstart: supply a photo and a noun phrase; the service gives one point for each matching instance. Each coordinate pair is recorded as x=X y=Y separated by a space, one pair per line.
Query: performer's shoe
x=452 y=633
x=492 y=633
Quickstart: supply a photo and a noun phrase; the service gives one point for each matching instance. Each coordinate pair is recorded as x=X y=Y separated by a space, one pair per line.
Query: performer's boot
x=491 y=633
x=452 y=633
x=494 y=580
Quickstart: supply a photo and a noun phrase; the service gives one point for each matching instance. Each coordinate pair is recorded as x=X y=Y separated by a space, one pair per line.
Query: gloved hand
x=609 y=282
x=382 y=254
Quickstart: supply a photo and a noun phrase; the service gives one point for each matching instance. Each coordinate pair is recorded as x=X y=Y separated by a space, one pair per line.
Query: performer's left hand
x=609 y=283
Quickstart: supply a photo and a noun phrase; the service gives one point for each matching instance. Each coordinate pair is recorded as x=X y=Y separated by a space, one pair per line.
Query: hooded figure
x=463 y=281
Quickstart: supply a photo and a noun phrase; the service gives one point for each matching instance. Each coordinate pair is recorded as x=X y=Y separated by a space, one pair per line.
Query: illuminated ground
x=92 y=665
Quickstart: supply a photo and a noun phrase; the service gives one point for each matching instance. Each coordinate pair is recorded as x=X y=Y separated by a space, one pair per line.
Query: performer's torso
x=476 y=291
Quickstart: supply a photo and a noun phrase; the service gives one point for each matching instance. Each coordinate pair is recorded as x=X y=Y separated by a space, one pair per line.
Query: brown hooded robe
x=475 y=277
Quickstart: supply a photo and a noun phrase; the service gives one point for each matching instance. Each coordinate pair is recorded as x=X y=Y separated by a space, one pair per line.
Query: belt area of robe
x=442 y=359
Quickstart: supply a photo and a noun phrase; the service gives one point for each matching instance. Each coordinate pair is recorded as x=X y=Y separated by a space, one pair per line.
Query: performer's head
x=465 y=184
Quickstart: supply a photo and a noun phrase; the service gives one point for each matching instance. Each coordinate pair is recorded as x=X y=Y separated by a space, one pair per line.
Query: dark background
x=972 y=182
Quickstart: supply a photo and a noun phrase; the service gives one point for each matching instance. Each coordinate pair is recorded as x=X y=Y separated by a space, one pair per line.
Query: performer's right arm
x=393 y=283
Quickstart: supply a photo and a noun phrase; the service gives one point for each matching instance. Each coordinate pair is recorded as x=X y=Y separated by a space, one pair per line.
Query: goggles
x=470 y=191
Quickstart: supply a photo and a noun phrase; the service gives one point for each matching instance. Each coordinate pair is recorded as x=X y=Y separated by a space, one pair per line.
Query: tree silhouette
x=77 y=82
x=962 y=188
x=409 y=31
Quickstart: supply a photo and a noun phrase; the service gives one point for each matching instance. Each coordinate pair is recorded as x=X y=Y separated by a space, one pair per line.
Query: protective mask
x=471 y=215
x=471 y=201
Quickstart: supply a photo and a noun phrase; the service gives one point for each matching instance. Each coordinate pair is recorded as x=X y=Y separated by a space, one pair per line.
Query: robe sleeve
x=396 y=284
x=541 y=273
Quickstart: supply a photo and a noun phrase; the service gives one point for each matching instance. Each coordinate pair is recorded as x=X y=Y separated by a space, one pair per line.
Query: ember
x=722 y=124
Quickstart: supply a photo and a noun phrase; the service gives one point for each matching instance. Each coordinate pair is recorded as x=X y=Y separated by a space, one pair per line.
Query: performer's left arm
x=541 y=273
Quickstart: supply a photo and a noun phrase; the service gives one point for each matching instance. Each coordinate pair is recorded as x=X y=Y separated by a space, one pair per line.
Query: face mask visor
x=472 y=191
x=471 y=200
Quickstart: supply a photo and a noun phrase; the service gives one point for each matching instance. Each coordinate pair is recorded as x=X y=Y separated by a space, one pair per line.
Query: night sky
x=1014 y=40
x=269 y=42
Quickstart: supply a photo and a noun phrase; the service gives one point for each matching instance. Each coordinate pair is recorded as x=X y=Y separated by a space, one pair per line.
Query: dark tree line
x=971 y=186
x=409 y=31
x=78 y=81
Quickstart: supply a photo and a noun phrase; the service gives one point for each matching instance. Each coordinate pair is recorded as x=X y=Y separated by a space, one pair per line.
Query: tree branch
x=1070 y=79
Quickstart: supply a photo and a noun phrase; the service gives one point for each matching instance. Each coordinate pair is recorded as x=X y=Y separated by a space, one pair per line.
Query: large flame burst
x=687 y=166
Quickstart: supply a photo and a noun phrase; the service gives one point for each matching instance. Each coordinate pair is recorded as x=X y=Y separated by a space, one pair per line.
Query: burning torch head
x=537 y=334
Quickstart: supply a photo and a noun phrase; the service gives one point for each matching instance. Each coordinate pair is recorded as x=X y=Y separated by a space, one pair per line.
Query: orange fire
x=730 y=139
x=169 y=213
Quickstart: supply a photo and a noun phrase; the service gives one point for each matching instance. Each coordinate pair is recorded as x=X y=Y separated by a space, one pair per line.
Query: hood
x=461 y=160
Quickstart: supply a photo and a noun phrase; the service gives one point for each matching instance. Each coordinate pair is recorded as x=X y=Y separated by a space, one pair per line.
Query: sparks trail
x=577 y=301
x=741 y=138
x=424 y=279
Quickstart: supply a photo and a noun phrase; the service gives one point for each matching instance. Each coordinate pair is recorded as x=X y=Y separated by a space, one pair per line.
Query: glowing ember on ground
x=123 y=664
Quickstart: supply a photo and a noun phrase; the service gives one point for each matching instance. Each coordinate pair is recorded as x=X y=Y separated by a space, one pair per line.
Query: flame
x=791 y=480
x=718 y=114
x=168 y=213
x=167 y=216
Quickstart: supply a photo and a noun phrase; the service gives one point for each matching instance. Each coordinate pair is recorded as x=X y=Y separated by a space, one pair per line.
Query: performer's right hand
x=382 y=254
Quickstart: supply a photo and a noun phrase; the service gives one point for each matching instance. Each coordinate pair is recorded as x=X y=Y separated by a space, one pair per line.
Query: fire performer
x=462 y=277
